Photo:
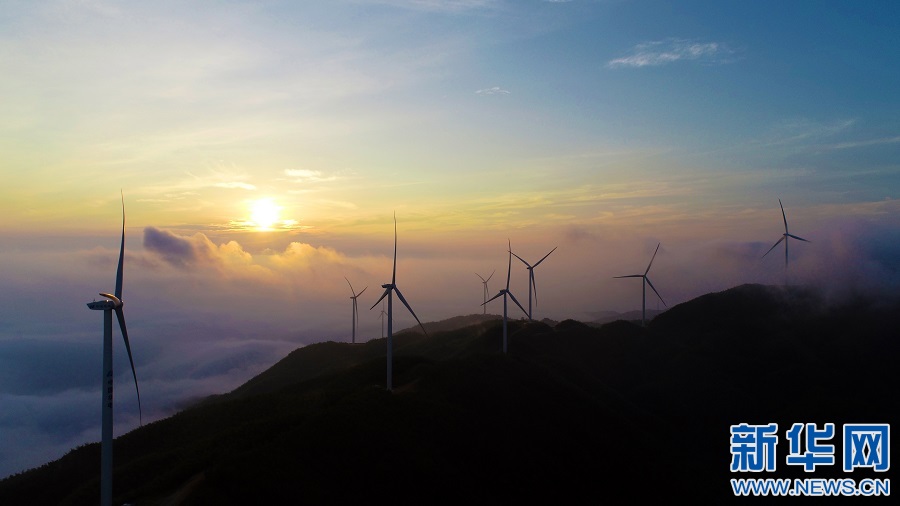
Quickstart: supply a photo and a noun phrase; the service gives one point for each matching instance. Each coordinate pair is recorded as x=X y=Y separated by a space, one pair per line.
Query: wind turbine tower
x=644 y=282
x=113 y=303
x=531 y=286
x=355 y=317
x=389 y=289
x=486 y=291
x=504 y=292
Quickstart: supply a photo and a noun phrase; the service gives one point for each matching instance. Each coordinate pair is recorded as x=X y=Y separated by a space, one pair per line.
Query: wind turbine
x=381 y=317
x=644 y=283
x=784 y=237
x=389 y=289
x=504 y=292
x=355 y=313
x=113 y=303
x=531 y=285
x=486 y=292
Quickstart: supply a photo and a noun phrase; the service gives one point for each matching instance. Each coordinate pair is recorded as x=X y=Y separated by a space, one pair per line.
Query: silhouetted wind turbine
x=355 y=313
x=784 y=237
x=644 y=283
x=388 y=292
x=381 y=317
x=113 y=303
x=531 y=286
x=486 y=292
x=504 y=292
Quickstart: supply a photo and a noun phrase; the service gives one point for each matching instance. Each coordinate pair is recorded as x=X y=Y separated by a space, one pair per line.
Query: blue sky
x=601 y=127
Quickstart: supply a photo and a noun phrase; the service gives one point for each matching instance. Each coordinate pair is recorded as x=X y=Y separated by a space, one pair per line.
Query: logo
x=866 y=445
x=754 y=449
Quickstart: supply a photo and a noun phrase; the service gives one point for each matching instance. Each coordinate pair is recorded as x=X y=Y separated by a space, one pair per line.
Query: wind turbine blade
x=652 y=258
x=121 y=317
x=657 y=293
x=386 y=291
x=482 y=279
x=522 y=259
x=394 y=275
x=629 y=276
x=363 y=290
x=112 y=297
x=513 y=297
x=545 y=256
x=492 y=275
x=403 y=300
x=773 y=247
x=798 y=238
x=351 y=286
x=509 y=265
x=533 y=285
x=494 y=297
x=783 y=216
x=121 y=255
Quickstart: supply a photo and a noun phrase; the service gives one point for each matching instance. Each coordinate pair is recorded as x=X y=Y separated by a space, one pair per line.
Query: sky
x=263 y=148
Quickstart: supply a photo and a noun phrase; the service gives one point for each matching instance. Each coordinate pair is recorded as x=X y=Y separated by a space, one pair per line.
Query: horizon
x=262 y=150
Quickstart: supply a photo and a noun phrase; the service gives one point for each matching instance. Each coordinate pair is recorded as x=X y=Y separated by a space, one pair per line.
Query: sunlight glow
x=264 y=213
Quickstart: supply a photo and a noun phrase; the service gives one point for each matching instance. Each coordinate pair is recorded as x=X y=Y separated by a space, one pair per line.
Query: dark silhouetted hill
x=572 y=413
x=600 y=318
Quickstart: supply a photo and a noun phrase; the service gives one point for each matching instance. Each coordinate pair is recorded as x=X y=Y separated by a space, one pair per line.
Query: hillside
x=572 y=409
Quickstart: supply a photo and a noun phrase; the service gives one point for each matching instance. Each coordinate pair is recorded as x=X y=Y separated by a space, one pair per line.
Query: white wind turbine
x=486 y=291
x=388 y=292
x=113 y=303
x=531 y=286
x=645 y=281
x=355 y=313
x=504 y=292
x=784 y=237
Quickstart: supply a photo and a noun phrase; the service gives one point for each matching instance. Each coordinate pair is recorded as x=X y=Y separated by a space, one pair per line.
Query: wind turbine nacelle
x=112 y=303
x=101 y=305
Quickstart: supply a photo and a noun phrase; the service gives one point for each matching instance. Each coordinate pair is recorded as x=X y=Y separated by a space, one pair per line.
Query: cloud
x=496 y=90
x=37 y=428
x=188 y=184
x=866 y=143
x=802 y=129
x=56 y=366
x=298 y=265
x=175 y=366
x=235 y=184
x=175 y=250
x=197 y=250
x=663 y=52
x=307 y=176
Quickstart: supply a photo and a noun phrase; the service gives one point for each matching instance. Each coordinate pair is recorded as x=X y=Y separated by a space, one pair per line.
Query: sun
x=264 y=213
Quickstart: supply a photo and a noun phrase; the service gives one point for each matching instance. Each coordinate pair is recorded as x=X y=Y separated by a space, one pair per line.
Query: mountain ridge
x=468 y=423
